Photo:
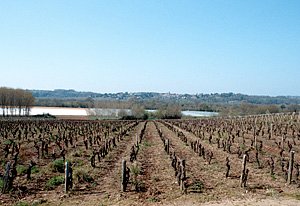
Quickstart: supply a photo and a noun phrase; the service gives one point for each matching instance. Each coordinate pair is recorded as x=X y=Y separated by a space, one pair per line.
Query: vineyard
x=69 y=162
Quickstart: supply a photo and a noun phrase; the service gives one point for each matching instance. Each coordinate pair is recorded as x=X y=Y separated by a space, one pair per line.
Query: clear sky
x=201 y=46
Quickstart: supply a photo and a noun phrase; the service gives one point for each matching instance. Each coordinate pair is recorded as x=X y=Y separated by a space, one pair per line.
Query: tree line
x=15 y=101
x=255 y=109
x=232 y=109
x=171 y=111
x=188 y=99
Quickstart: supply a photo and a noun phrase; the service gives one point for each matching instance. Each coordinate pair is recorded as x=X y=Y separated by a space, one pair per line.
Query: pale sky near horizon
x=199 y=46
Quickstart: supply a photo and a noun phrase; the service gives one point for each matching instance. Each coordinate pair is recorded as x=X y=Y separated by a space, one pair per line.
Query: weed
x=94 y=184
x=1 y=183
x=58 y=166
x=156 y=179
x=7 y=142
x=38 y=202
x=273 y=177
x=77 y=153
x=35 y=204
x=21 y=169
x=297 y=196
x=243 y=147
x=146 y=144
x=135 y=171
x=271 y=192
x=139 y=186
x=55 y=181
x=83 y=176
x=21 y=203
x=153 y=199
x=35 y=170
x=294 y=195
x=74 y=161
x=78 y=163
x=2 y=163
x=197 y=186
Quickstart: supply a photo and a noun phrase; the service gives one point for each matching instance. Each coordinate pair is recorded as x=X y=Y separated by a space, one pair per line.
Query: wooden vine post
x=137 y=140
x=183 y=175
x=28 y=172
x=271 y=131
x=227 y=166
x=291 y=165
x=68 y=176
x=244 y=174
x=124 y=179
x=6 y=179
x=167 y=146
x=255 y=142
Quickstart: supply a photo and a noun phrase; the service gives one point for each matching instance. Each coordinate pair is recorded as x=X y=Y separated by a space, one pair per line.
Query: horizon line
x=169 y=92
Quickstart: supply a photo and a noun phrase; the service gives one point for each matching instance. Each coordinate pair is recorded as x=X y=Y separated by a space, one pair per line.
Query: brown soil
x=156 y=173
x=158 y=180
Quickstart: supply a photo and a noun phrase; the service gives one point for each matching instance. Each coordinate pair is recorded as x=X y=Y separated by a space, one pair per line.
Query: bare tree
x=138 y=111
x=4 y=99
x=28 y=102
x=13 y=100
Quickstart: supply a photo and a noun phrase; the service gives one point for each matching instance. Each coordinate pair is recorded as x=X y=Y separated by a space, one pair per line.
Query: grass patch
x=1 y=183
x=243 y=147
x=273 y=177
x=156 y=179
x=135 y=171
x=297 y=196
x=58 y=166
x=21 y=203
x=54 y=182
x=83 y=176
x=153 y=199
x=77 y=153
x=21 y=169
x=2 y=163
x=197 y=187
x=294 y=195
x=35 y=170
x=8 y=142
x=271 y=192
x=35 y=203
x=146 y=144
x=77 y=163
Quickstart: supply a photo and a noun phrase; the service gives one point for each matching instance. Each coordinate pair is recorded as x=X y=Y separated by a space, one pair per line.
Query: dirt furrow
x=259 y=180
x=107 y=177
x=157 y=174
x=199 y=171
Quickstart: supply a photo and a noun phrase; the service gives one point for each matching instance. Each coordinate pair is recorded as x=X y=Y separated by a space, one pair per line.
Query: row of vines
x=33 y=153
x=200 y=155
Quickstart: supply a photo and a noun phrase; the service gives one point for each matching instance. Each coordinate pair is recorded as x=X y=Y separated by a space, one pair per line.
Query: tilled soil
x=158 y=182
x=156 y=172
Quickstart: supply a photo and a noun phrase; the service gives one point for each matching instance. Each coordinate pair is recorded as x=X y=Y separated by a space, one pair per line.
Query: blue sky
x=250 y=47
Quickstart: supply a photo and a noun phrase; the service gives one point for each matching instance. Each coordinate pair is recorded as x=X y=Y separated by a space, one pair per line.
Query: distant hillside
x=223 y=98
